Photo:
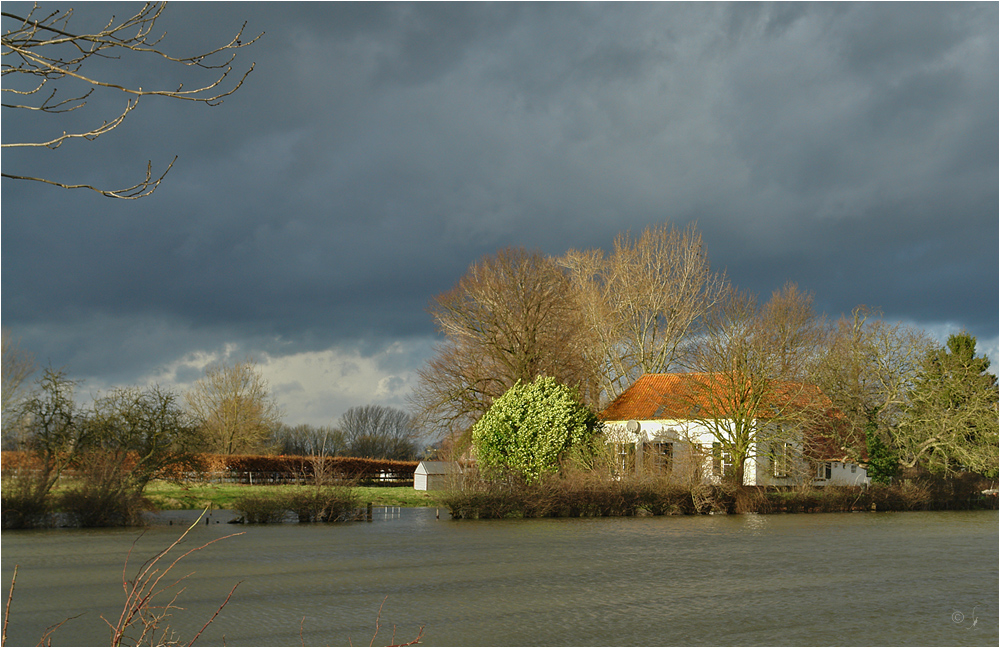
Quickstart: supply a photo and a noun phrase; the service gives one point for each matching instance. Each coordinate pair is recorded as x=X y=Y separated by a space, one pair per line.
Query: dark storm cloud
x=378 y=149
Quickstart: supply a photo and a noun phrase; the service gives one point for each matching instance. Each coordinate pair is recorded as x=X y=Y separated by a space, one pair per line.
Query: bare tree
x=379 y=432
x=511 y=317
x=867 y=369
x=18 y=366
x=306 y=440
x=53 y=433
x=140 y=432
x=793 y=330
x=44 y=56
x=234 y=408
x=745 y=389
x=642 y=302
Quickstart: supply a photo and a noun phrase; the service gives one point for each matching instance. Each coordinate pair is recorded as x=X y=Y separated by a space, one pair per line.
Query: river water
x=920 y=578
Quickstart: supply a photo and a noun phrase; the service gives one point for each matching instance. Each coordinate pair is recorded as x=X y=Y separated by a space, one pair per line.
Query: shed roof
x=438 y=468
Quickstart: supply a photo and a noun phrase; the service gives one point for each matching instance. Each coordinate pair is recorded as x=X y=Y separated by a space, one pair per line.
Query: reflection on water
x=830 y=579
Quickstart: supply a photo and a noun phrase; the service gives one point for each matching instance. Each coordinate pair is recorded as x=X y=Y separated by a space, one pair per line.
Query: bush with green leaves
x=529 y=430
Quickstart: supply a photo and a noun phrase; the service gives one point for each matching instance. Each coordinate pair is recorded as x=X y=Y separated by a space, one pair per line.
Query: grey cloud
x=378 y=149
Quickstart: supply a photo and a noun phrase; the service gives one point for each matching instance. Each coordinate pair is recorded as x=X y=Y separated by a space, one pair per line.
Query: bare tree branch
x=140 y=190
x=46 y=51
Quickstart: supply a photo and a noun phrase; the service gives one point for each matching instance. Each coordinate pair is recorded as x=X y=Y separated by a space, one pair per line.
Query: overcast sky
x=378 y=149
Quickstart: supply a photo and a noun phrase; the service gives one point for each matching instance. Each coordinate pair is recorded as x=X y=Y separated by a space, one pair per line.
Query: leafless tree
x=234 y=408
x=745 y=387
x=53 y=433
x=306 y=440
x=140 y=432
x=867 y=369
x=511 y=317
x=379 y=432
x=642 y=302
x=47 y=61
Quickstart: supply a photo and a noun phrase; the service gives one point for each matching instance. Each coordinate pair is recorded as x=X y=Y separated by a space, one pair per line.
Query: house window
x=854 y=468
x=625 y=457
x=781 y=459
x=722 y=461
x=824 y=470
x=661 y=456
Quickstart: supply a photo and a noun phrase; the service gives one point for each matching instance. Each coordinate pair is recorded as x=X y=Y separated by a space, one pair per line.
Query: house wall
x=841 y=474
x=693 y=439
x=692 y=443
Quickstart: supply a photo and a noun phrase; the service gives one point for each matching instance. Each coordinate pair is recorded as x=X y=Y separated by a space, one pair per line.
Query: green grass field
x=169 y=496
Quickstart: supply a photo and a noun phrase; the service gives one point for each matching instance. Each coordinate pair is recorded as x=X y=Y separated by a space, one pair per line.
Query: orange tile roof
x=674 y=396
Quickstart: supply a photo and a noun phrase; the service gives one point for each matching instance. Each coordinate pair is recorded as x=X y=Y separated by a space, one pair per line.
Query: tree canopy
x=379 y=432
x=531 y=428
x=234 y=408
x=642 y=302
x=510 y=318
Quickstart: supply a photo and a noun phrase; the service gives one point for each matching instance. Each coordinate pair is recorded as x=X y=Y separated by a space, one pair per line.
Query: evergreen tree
x=883 y=462
x=951 y=423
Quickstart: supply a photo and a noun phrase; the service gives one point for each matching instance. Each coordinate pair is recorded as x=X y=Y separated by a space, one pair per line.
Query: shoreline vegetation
x=174 y=496
x=584 y=497
x=275 y=496
x=576 y=496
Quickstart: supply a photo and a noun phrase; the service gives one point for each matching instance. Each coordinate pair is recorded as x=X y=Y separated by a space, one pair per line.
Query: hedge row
x=338 y=467
x=287 y=467
x=588 y=497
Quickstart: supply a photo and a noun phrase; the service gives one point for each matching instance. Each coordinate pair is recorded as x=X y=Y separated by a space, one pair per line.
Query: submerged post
x=369 y=514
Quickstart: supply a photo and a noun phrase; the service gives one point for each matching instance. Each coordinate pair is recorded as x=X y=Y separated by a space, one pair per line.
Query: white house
x=657 y=424
x=436 y=475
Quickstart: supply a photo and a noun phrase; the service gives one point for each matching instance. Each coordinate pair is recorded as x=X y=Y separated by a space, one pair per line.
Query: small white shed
x=435 y=475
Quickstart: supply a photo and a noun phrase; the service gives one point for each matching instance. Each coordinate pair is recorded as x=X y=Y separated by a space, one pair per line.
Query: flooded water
x=827 y=579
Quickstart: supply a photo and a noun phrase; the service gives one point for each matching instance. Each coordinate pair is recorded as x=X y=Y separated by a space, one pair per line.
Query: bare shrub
x=571 y=494
x=316 y=504
x=25 y=504
x=101 y=505
x=24 y=507
x=331 y=504
x=752 y=499
x=104 y=495
x=262 y=509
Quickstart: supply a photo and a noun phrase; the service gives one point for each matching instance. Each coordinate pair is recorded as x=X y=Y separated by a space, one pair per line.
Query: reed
x=145 y=614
